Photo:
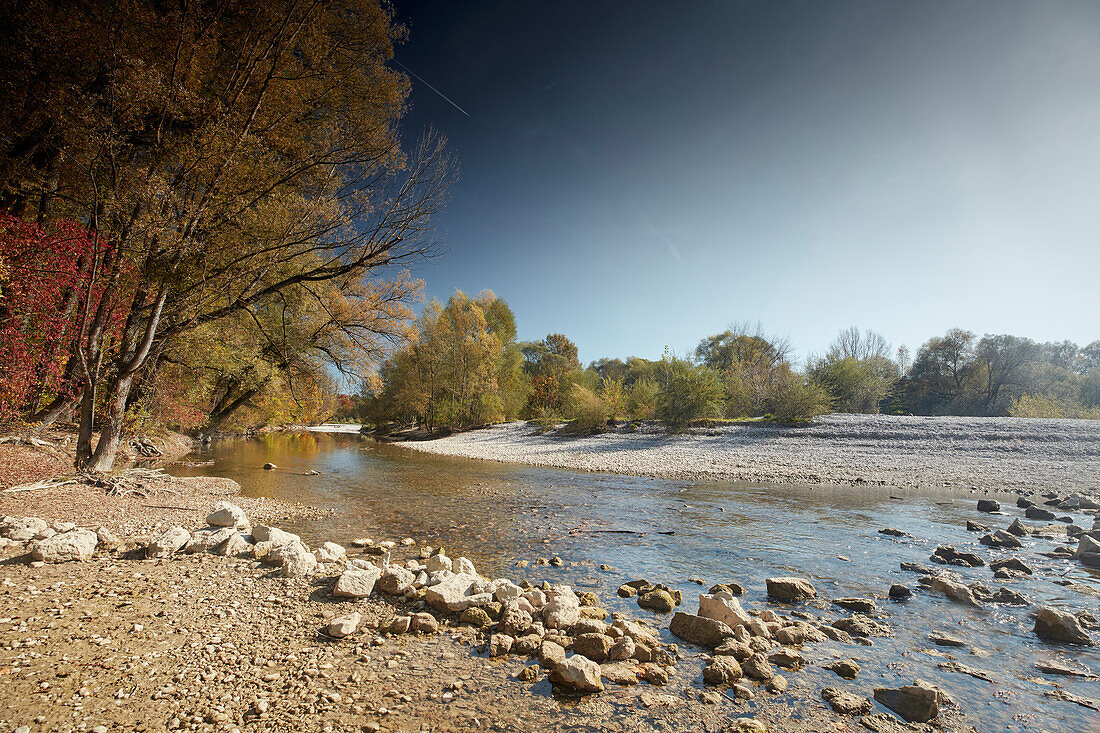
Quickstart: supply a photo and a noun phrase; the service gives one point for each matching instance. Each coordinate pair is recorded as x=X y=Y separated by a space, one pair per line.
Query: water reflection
x=670 y=531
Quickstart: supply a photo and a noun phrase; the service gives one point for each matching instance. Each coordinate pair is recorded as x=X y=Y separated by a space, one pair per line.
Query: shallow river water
x=669 y=531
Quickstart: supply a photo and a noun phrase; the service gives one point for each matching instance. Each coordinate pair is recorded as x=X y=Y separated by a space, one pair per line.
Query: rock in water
x=578 y=673
x=722 y=606
x=948 y=555
x=915 y=703
x=988 y=505
x=900 y=592
x=1061 y=626
x=76 y=545
x=699 y=630
x=846 y=668
x=722 y=670
x=270 y=466
x=356 y=583
x=846 y=703
x=658 y=600
x=957 y=592
x=344 y=625
x=1000 y=538
x=224 y=514
x=790 y=590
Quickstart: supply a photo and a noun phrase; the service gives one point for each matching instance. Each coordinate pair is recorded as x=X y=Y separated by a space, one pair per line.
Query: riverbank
x=904 y=452
x=221 y=640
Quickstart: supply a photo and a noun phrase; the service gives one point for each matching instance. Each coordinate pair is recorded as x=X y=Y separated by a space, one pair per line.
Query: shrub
x=1043 y=406
x=689 y=392
x=546 y=419
x=614 y=397
x=794 y=399
x=642 y=400
x=856 y=385
x=590 y=412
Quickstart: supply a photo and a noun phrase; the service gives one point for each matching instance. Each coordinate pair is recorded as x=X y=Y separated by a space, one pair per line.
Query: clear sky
x=641 y=174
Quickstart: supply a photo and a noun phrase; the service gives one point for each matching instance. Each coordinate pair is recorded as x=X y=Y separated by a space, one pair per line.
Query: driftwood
x=145 y=447
x=133 y=481
x=27 y=440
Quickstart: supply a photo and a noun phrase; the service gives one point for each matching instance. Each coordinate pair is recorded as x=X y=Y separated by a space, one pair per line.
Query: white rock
x=395 y=580
x=168 y=542
x=297 y=561
x=107 y=538
x=562 y=609
x=436 y=563
x=23 y=529
x=208 y=539
x=225 y=514
x=330 y=552
x=356 y=583
x=60 y=527
x=275 y=535
x=722 y=606
x=507 y=591
x=464 y=565
x=344 y=625
x=77 y=545
x=236 y=546
x=535 y=597
x=578 y=673
x=452 y=593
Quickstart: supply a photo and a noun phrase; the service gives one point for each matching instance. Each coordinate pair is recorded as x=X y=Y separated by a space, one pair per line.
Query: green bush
x=794 y=399
x=590 y=412
x=546 y=418
x=856 y=385
x=689 y=392
x=642 y=400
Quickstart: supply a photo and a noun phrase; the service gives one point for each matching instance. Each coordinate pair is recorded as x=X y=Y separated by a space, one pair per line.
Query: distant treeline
x=465 y=368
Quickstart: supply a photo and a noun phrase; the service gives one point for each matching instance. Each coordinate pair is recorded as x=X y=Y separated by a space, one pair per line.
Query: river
x=669 y=531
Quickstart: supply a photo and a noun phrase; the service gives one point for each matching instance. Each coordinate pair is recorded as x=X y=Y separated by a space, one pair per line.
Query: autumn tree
x=221 y=153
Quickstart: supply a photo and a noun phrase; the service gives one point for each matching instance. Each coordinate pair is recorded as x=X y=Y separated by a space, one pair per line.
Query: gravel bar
x=990 y=453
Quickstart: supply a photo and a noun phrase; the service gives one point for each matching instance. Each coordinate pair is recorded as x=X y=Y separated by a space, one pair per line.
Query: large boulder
x=578 y=673
x=76 y=545
x=916 y=703
x=236 y=546
x=224 y=514
x=988 y=505
x=356 y=583
x=1060 y=626
x=790 y=590
x=1087 y=546
x=722 y=606
x=699 y=630
x=168 y=542
x=456 y=593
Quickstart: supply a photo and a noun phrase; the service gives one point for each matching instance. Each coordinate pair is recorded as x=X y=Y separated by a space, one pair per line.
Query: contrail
x=406 y=68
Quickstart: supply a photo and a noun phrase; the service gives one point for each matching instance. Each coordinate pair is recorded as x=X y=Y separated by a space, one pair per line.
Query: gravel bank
x=906 y=452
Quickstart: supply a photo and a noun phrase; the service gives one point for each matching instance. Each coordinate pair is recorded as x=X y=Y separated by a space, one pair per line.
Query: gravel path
x=989 y=453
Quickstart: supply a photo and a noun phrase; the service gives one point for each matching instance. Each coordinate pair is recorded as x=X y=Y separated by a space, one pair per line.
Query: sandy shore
x=906 y=452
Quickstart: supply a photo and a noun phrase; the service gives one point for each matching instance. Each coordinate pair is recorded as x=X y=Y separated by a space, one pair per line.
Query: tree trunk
x=111 y=433
x=49 y=414
x=84 y=432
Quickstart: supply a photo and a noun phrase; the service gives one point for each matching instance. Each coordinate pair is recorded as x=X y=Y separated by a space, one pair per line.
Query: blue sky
x=642 y=174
